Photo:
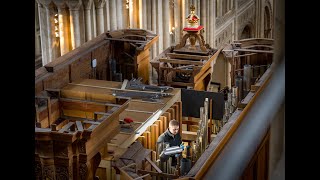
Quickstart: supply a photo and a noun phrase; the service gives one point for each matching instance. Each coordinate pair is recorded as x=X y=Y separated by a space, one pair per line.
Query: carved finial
x=192 y=18
x=192 y=8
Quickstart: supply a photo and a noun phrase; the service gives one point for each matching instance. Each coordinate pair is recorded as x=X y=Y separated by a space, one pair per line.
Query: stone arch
x=220 y=71
x=247 y=32
x=267 y=20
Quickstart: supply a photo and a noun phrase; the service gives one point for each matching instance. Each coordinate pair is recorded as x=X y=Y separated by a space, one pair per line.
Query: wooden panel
x=43 y=113
x=57 y=80
x=144 y=55
x=99 y=97
x=258 y=165
x=66 y=93
x=82 y=106
x=143 y=70
x=172 y=112
x=189 y=136
x=187 y=56
x=179 y=61
x=100 y=139
x=76 y=53
x=38 y=87
x=101 y=54
x=166 y=120
x=144 y=106
x=136 y=116
x=193 y=128
x=98 y=83
x=81 y=68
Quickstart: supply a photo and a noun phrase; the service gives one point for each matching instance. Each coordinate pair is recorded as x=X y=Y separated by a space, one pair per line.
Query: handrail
x=237 y=152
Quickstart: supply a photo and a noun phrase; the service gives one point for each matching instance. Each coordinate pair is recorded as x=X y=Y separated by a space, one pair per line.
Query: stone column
x=131 y=15
x=100 y=21
x=212 y=22
x=203 y=17
x=94 y=21
x=177 y=21
x=198 y=7
x=257 y=19
x=135 y=14
x=160 y=26
x=139 y=13
x=183 y=14
x=119 y=14
x=149 y=15
x=63 y=19
x=154 y=26
x=36 y=32
x=87 y=10
x=107 y=16
x=43 y=34
x=113 y=15
x=53 y=42
x=166 y=25
x=74 y=6
x=236 y=21
x=125 y=16
x=207 y=32
x=144 y=14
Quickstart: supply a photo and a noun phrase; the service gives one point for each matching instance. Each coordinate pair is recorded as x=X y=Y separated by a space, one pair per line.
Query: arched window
x=246 y=32
x=267 y=24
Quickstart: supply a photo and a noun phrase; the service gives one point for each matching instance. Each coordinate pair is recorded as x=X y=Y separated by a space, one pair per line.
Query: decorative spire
x=192 y=18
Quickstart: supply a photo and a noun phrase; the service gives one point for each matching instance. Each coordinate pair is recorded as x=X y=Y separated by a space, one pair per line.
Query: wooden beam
x=246 y=100
x=79 y=126
x=190 y=122
x=177 y=70
x=141 y=177
x=89 y=102
x=126 y=40
x=153 y=165
x=187 y=56
x=257 y=45
x=189 y=136
x=253 y=50
x=179 y=61
x=243 y=55
x=124 y=84
x=117 y=89
x=66 y=127
x=170 y=176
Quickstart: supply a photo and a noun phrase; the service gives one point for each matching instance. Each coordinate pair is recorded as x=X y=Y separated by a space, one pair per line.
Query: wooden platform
x=184 y=68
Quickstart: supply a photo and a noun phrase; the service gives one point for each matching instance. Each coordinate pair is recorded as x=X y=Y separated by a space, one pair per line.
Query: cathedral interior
x=111 y=75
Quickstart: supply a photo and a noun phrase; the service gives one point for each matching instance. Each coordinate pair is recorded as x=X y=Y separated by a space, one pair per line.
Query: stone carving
x=225 y=36
x=246 y=18
x=99 y=3
x=223 y=19
x=48 y=172
x=242 y=2
x=83 y=169
x=82 y=147
x=62 y=173
x=38 y=171
x=74 y=4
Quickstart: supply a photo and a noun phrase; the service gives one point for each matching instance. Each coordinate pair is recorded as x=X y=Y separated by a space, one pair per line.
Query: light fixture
x=56 y=25
x=127 y=4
